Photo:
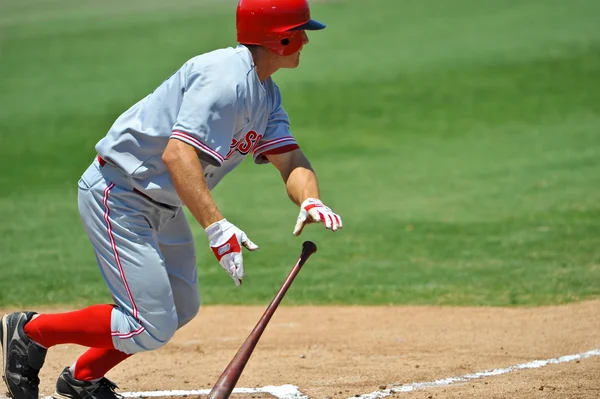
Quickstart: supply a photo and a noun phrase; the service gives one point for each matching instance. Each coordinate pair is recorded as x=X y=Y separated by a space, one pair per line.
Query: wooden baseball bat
x=232 y=372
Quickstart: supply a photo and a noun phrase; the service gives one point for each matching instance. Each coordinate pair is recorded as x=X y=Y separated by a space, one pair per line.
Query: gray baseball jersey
x=144 y=246
x=214 y=102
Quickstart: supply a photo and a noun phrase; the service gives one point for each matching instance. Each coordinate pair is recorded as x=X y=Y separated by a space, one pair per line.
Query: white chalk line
x=480 y=374
x=292 y=391
x=281 y=392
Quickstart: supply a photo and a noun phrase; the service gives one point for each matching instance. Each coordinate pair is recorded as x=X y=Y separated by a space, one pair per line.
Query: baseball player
x=169 y=150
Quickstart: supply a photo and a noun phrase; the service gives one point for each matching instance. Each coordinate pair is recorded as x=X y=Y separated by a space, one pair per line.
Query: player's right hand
x=226 y=242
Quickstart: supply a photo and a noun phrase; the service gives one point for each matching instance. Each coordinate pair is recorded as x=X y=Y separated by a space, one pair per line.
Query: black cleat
x=68 y=387
x=22 y=358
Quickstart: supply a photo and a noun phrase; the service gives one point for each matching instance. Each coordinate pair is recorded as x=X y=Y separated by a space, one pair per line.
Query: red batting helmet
x=278 y=25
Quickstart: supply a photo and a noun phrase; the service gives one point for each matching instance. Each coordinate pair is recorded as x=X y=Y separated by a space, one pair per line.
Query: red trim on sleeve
x=178 y=134
x=282 y=149
x=273 y=142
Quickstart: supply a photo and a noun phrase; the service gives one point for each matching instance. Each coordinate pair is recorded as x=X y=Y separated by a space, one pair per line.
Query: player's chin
x=294 y=61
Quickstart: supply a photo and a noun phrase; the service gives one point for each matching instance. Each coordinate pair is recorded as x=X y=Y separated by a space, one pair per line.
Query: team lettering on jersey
x=245 y=144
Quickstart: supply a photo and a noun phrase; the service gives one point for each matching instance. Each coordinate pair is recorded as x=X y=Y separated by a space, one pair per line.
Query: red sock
x=88 y=327
x=95 y=363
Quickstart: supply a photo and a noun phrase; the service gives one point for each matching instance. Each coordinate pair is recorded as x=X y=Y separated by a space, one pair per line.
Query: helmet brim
x=310 y=25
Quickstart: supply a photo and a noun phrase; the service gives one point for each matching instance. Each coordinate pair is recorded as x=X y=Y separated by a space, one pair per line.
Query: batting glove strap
x=231 y=245
x=226 y=242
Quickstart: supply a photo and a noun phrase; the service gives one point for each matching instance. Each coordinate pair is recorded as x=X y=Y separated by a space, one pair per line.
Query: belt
x=103 y=162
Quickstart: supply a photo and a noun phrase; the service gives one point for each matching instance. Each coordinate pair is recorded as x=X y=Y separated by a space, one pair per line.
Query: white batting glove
x=226 y=242
x=313 y=210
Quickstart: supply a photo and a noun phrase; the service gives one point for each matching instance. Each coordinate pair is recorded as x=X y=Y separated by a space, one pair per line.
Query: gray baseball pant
x=145 y=251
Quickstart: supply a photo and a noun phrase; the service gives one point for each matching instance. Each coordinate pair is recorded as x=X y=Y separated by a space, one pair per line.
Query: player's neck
x=265 y=61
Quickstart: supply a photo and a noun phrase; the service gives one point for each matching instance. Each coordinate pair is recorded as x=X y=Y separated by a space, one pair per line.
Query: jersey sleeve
x=207 y=116
x=277 y=138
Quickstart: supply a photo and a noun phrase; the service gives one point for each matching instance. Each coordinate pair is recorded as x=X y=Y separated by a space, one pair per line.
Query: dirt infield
x=341 y=352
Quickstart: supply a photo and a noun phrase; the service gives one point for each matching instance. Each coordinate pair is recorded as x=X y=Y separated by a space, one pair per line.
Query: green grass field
x=460 y=141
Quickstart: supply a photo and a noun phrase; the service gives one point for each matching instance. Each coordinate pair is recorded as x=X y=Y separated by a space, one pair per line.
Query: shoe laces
x=33 y=355
x=28 y=373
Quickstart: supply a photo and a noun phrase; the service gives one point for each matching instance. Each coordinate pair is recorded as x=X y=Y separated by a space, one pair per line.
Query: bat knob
x=308 y=248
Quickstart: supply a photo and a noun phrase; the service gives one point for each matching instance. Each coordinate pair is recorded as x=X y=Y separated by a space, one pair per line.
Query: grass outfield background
x=460 y=142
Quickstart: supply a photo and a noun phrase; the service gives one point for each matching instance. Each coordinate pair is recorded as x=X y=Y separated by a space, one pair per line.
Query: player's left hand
x=313 y=210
